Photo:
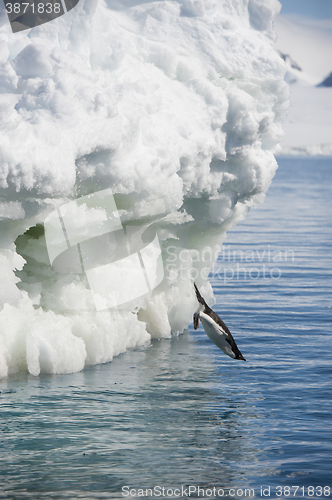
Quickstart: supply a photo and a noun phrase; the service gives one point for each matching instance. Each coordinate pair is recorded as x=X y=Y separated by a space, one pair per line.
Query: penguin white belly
x=216 y=334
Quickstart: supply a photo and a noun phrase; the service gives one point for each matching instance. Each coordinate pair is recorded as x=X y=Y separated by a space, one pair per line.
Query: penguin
x=215 y=328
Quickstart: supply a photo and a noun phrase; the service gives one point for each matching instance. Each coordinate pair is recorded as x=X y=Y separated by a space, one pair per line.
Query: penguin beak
x=196 y=320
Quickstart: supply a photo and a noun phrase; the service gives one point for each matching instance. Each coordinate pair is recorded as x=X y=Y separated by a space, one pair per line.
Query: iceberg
x=174 y=106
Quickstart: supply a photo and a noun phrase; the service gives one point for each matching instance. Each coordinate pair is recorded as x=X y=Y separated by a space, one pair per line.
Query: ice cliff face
x=174 y=105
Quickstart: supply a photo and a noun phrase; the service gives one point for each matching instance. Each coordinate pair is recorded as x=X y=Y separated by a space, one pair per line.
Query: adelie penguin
x=215 y=328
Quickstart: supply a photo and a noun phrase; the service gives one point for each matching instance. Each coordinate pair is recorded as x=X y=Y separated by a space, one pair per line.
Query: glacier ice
x=176 y=106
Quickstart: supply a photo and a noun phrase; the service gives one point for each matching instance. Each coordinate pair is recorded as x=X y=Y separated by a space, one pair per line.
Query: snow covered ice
x=177 y=107
x=306 y=46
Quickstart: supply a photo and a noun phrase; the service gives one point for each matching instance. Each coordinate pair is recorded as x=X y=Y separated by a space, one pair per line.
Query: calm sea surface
x=180 y=414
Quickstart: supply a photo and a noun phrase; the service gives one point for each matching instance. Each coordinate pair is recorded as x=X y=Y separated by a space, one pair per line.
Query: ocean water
x=179 y=413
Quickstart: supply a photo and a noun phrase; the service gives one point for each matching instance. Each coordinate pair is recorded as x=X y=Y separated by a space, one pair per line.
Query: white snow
x=308 y=128
x=176 y=106
x=308 y=42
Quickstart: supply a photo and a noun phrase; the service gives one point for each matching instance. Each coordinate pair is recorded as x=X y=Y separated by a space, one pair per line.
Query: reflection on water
x=159 y=415
x=179 y=412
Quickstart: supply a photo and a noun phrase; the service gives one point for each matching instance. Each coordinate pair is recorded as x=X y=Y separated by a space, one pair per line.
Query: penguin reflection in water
x=215 y=328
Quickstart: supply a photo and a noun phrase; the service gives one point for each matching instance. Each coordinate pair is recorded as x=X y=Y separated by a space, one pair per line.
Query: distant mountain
x=293 y=69
x=327 y=82
x=287 y=58
x=305 y=45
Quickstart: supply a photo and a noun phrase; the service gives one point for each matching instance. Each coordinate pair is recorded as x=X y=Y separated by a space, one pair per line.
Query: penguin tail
x=199 y=297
